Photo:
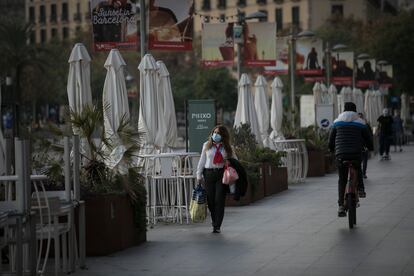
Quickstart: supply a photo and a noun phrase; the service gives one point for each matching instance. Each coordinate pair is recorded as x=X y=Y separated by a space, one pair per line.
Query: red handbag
x=230 y=174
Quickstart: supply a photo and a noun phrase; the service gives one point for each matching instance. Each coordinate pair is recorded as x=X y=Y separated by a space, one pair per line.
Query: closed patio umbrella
x=405 y=108
x=262 y=108
x=325 y=98
x=317 y=93
x=246 y=112
x=115 y=101
x=79 y=85
x=333 y=98
x=358 y=99
x=166 y=101
x=346 y=96
x=148 y=111
x=276 y=110
x=369 y=107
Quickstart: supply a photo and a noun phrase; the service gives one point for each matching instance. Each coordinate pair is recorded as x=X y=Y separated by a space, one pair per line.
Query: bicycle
x=351 y=192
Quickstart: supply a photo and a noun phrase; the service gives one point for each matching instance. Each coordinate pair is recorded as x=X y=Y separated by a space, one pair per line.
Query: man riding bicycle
x=349 y=135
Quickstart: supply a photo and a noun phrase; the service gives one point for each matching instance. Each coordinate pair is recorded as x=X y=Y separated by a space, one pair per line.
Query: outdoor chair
x=187 y=179
x=163 y=189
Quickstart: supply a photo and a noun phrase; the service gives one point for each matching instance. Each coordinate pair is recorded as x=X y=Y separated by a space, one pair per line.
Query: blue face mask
x=216 y=137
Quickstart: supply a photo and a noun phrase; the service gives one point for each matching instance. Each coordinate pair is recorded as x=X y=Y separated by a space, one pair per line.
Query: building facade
x=56 y=19
x=12 y=8
x=290 y=14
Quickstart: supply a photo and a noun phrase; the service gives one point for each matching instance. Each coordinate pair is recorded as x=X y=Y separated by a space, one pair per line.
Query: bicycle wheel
x=350 y=202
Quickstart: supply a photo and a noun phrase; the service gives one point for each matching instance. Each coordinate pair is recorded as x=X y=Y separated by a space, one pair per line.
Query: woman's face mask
x=216 y=137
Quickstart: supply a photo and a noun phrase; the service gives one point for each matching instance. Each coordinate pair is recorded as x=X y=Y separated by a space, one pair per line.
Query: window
x=65 y=12
x=222 y=18
x=32 y=14
x=42 y=16
x=65 y=33
x=54 y=33
x=295 y=16
x=337 y=10
x=241 y=3
x=32 y=37
x=279 y=19
x=278 y=1
x=221 y=4
x=42 y=36
x=53 y=14
x=264 y=19
x=261 y=2
x=206 y=5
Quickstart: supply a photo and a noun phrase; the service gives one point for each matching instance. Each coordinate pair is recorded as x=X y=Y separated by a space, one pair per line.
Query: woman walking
x=210 y=170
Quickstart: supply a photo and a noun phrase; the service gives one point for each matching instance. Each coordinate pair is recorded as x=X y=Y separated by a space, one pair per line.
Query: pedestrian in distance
x=385 y=122
x=365 y=152
x=348 y=136
x=210 y=171
x=397 y=130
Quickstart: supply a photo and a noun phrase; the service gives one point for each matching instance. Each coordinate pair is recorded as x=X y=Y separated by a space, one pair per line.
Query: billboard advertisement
x=217 y=45
x=114 y=24
x=170 y=25
x=385 y=75
x=309 y=56
x=342 y=68
x=282 y=58
x=365 y=75
x=259 y=44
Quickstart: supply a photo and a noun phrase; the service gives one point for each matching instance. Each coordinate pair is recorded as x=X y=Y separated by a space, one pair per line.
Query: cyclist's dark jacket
x=349 y=135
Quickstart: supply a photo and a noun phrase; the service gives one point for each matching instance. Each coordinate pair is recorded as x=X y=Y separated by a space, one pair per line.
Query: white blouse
x=206 y=159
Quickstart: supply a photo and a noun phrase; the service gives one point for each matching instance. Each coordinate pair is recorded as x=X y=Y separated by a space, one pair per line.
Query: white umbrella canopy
x=379 y=104
x=333 y=98
x=358 y=99
x=369 y=107
x=317 y=93
x=325 y=98
x=169 y=131
x=405 y=108
x=79 y=86
x=346 y=96
x=79 y=79
x=276 y=110
x=262 y=109
x=246 y=112
x=148 y=111
x=116 y=109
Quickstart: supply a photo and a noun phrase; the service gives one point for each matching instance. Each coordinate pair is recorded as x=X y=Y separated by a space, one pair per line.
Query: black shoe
x=216 y=230
x=365 y=176
x=362 y=194
x=341 y=211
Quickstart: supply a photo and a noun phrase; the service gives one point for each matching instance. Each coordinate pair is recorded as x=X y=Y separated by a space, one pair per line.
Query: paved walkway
x=296 y=232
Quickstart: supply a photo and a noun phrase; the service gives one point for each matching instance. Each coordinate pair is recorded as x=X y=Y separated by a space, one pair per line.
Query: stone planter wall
x=110 y=225
x=316 y=163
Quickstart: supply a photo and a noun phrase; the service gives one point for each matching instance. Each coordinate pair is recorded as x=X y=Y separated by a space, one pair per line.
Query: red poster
x=217 y=45
x=259 y=44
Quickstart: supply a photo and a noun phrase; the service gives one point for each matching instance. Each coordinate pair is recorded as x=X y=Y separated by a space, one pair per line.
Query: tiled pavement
x=296 y=232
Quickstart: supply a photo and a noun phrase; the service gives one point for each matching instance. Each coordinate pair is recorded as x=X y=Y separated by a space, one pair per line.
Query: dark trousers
x=385 y=143
x=216 y=195
x=364 y=162
x=343 y=179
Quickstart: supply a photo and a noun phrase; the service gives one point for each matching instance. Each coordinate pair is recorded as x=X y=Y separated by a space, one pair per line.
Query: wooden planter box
x=258 y=191
x=276 y=179
x=110 y=225
x=316 y=163
x=330 y=165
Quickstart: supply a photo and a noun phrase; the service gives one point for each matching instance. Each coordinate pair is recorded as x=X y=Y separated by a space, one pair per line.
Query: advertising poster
x=114 y=24
x=282 y=58
x=259 y=44
x=342 y=68
x=385 y=75
x=365 y=75
x=170 y=25
x=217 y=45
x=309 y=56
x=201 y=118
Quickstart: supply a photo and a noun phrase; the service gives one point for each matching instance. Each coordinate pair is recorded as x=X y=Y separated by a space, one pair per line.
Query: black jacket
x=349 y=135
x=241 y=183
